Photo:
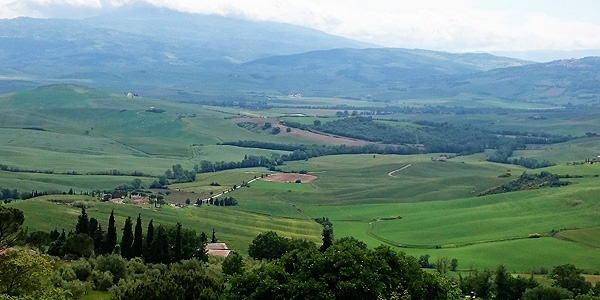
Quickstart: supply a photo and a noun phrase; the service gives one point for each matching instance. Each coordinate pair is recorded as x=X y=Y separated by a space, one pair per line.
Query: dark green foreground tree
x=346 y=270
x=11 y=221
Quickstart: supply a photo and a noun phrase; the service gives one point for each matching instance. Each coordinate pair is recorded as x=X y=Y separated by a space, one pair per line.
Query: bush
x=82 y=204
x=77 y=288
x=233 y=264
x=546 y=293
x=102 y=280
x=82 y=269
x=114 y=264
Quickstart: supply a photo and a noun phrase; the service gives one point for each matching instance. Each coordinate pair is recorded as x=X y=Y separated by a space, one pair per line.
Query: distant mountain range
x=163 y=53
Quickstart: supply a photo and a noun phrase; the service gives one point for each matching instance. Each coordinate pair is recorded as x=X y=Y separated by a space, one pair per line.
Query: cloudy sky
x=456 y=25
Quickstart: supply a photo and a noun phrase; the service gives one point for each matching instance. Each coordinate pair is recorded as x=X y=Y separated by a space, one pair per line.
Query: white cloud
x=458 y=25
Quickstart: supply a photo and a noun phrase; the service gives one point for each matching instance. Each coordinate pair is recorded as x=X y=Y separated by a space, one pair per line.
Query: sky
x=446 y=25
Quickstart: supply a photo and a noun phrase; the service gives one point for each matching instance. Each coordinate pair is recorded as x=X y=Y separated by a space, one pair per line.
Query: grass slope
x=234 y=227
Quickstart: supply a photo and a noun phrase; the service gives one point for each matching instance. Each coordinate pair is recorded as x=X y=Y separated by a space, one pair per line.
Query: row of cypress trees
x=163 y=246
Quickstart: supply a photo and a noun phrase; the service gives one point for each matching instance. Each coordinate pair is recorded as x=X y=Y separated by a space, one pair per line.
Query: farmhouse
x=218 y=249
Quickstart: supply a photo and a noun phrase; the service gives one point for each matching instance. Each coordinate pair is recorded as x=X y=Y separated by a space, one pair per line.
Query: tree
x=137 y=248
x=327 y=237
x=424 y=261
x=149 y=241
x=114 y=264
x=214 y=237
x=111 y=234
x=442 y=265
x=190 y=245
x=21 y=271
x=569 y=277
x=502 y=283
x=92 y=227
x=317 y=123
x=268 y=245
x=56 y=248
x=136 y=183
x=547 y=293
x=79 y=244
x=346 y=270
x=160 y=247
x=233 y=264
x=127 y=240
x=11 y=230
x=177 y=249
x=453 y=264
x=98 y=237
x=478 y=283
x=82 y=223
x=39 y=240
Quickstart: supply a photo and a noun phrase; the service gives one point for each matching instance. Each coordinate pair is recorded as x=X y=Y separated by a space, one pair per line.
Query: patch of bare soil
x=289 y=177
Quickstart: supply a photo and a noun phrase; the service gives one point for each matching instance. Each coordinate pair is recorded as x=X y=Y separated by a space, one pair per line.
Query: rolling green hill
x=67 y=128
x=60 y=137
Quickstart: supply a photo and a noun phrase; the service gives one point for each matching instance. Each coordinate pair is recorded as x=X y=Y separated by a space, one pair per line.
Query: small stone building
x=218 y=249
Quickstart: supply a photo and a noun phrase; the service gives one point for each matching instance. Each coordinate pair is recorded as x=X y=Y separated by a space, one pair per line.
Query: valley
x=431 y=207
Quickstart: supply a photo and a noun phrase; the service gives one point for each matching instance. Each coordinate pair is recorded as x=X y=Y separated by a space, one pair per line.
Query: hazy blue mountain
x=574 y=81
x=163 y=53
x=144 y=47
x=236 y=39
x=380 y=65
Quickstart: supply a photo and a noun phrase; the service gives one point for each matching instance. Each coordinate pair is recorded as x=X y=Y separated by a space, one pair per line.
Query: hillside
x=143 y=46
x=168 y=54
x=213 y=59
x=574 y=81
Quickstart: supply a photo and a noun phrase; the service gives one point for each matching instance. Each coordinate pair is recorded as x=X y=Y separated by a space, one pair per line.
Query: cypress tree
x=137 y=238
x=98 y=237
x=92 y=227
x=327 y=238
x=54 y=235
x=203 y=238
x=214 y=237
x=111 y=234
x=55 y=248
x=178 y=251
x=149 y=240
x=160 y=247
x=82 y=223
x=127 y=239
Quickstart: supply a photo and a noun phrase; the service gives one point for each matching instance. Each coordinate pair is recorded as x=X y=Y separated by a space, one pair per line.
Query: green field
x=413 y=203
x=234 y=227
x=461 y=226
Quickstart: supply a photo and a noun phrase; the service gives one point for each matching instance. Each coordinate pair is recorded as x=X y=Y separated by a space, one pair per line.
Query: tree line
x=441 y=137
x=298 y=152
x=528 y=182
